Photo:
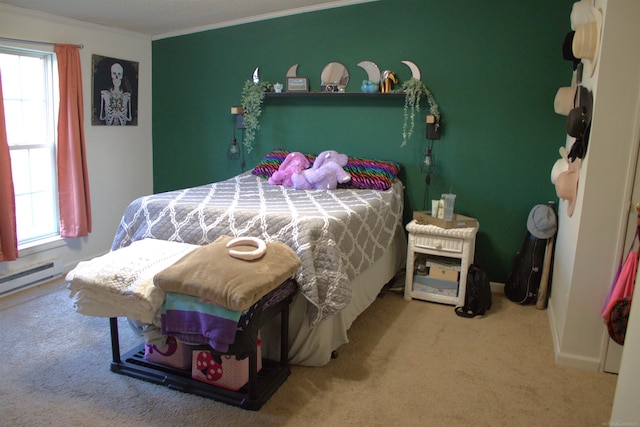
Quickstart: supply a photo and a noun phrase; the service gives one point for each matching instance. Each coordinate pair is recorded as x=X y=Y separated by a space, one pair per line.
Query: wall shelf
x=333 y=95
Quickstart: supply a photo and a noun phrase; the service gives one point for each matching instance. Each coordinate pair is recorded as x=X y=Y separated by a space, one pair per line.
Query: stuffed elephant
x=325 y=174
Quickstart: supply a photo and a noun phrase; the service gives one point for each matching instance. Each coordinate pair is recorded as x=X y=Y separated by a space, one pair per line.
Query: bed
x=350 y=242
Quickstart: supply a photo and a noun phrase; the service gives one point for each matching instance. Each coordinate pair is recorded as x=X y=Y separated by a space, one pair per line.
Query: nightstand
x=437 y=262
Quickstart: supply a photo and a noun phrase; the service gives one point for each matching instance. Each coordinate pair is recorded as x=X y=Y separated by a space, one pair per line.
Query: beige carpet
x=408 y=364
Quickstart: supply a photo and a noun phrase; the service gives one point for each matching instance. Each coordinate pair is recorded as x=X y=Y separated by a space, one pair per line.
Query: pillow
x=371 y=174
x=365 y=173
x=272 y=161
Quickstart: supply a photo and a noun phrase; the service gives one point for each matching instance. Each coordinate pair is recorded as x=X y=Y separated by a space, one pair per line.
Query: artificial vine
x=252 y=98
x=414 y=90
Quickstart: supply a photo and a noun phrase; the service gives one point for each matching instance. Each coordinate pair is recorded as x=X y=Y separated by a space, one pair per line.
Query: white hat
x=561 y=165
x=586 y=41
x=581 y=13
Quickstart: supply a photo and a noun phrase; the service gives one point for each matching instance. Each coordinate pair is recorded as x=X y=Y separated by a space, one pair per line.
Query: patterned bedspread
x=336 y=234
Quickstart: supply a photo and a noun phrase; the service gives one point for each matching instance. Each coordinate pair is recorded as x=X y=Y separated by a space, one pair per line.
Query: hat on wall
x=564 y=100
x=561 y=165
x=586 y=41
x=579 y=117
x=542 y=222
x=567 y=49
x=579 y=122
x=581 y=13
x=567 y=185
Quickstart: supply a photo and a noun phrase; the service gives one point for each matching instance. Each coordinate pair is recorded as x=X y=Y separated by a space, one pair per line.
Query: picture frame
x=297 y=84
x=114 y=94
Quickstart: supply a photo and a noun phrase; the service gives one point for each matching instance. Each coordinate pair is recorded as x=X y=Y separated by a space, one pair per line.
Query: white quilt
x=120 y=283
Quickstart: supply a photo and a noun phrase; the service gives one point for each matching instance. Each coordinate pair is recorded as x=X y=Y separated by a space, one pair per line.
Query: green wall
x=494 y=68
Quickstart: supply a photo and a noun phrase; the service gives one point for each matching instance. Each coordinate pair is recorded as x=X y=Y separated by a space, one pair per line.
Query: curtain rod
x=80 y=46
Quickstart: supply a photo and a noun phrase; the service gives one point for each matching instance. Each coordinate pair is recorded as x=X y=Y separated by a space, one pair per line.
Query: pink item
x=222 y=370
x=8 y=233
x=73 y=176
x=625 y=284
x=172 y=353
x=294 y=163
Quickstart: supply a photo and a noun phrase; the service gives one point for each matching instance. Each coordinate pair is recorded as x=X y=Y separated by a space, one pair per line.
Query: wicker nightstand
x=445 y=255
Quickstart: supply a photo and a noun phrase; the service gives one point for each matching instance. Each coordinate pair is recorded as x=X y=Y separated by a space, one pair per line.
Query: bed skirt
x=313 y=346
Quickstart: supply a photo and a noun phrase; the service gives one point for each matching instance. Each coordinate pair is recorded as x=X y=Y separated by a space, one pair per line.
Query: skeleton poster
x=114 y=96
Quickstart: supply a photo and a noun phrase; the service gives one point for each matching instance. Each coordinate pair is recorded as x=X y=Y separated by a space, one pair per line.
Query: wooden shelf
x=333 y=95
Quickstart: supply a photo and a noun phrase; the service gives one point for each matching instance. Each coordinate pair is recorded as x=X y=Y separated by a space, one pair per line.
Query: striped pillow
x=371 y=174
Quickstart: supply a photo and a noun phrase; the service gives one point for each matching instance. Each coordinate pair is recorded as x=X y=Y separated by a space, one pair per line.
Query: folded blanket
x=195 y=322
x=210 y=272
x=120 y=283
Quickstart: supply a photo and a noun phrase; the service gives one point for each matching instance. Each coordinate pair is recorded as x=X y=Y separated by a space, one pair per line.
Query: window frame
x=50 y=141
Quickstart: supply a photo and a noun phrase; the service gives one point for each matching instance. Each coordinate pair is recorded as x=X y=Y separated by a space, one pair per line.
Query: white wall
x=119 y=159
x=590 y=243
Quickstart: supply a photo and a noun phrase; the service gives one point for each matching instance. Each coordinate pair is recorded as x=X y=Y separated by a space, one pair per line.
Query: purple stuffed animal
x=325 y=174
x=294 y=163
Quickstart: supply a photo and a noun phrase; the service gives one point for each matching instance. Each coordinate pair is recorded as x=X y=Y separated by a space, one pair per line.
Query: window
x=30 y=99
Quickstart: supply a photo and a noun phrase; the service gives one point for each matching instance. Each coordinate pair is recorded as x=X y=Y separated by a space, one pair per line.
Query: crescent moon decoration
x=373 y=72
x=256 y=77
x=415 y=71
x=293 y=71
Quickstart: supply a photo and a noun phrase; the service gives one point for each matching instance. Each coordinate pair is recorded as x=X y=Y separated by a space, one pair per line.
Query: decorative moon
x=373 y=72
x=336 y=73
x=293 y=71
x=415 y=71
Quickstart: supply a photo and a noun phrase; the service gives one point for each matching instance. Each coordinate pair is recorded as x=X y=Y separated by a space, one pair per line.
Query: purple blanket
x=193 y=321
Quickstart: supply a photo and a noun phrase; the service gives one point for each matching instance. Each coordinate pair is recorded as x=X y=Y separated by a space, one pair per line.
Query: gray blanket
x=336 y=234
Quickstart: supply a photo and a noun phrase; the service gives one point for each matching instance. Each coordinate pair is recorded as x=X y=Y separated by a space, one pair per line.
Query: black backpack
x=477 y=299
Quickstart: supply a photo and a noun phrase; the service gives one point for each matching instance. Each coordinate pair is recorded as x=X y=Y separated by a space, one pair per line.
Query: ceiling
x=164 y=18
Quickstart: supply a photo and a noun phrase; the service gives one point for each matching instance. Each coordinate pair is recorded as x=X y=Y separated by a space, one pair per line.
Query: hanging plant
x=414 y=90
x=252 y=98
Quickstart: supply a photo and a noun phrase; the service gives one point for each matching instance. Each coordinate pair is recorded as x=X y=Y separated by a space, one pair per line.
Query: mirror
x=334 y=77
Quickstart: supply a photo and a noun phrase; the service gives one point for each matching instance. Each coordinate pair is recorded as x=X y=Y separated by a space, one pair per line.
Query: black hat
x=567 y=49
x=579 y=122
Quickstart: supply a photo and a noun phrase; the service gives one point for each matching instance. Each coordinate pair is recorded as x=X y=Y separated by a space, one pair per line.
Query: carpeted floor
x=408 y=364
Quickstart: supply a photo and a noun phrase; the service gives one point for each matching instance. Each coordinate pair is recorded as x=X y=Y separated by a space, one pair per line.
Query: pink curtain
x=73 y=177
x=8 y=235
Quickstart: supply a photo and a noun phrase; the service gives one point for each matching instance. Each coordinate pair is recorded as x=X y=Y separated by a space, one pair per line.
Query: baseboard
x=569 y=359
x=497 y=288
x=28 y=293
x=577 y=361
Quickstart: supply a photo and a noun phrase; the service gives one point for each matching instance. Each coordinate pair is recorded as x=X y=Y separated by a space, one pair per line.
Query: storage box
x=458 y=221
x=443 y=274
x=435 y=286
x=222 y=370
x=172 y=353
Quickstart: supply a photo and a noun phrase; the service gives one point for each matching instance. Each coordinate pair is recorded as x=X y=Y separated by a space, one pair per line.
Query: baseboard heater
x=31 y=276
